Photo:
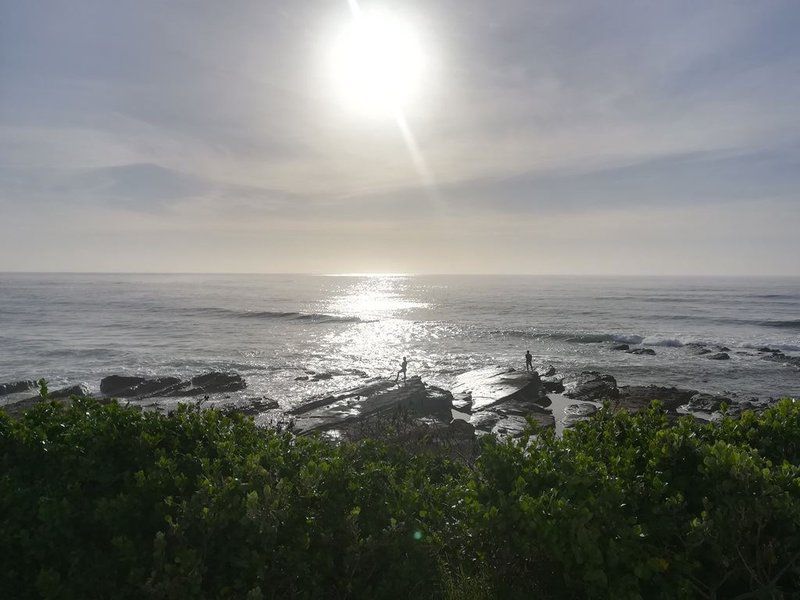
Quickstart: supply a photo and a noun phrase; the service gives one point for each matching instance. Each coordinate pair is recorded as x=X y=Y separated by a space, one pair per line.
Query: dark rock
x=462 y=402
x=621 y=347
x=553 y=385
x=591 y=385
x=634 y=398
x=461 y=428
x=15 y=387
x=578 y=412
x=551 y=370
x=642 y=351
x=322 y=376
x=703 y=351
x=121 y=386
x=217 y=383
x=357 y=372
x=140 y=387
x=514 y=425
x=252 y=406
x=783 y=359
x=724 y=349
x=769 y=350
x=301 y=378
x=484 y=421
x=503 y=398
x=719 y=356
x=79 y=390
x=706 y=402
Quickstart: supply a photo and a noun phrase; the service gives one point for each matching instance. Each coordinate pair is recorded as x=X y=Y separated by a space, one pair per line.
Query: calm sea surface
x=270 y=328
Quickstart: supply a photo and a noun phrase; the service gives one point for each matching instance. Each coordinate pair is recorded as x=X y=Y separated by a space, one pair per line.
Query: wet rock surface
x=578 y=412
x=593 y=386
x=16 y=387
x=780 y=357
x=214 y=383
x=123 y=386
x=642 y=351
x=634 y=398
x=379 y=396
x=81 y=390
x=718 y=356
x=250 y=406
x=493 y=385
x=709 y=403
x=503 y=399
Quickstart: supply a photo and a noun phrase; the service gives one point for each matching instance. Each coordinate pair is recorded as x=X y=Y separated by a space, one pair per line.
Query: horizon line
x=408 y=274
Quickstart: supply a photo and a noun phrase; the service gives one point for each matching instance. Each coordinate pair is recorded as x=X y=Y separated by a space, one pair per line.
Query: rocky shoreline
x=494 y=399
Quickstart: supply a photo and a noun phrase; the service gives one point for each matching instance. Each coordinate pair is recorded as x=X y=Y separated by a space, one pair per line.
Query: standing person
x=528 y=361
x=403 y=367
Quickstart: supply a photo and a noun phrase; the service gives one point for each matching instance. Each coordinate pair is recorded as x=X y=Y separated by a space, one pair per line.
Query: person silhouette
x=528 y=361
x=403 y=367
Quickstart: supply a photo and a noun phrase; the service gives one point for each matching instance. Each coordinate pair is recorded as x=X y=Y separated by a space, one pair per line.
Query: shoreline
x=553 y=399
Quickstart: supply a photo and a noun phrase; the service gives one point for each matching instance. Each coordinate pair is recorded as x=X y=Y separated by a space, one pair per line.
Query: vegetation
x=100 y=501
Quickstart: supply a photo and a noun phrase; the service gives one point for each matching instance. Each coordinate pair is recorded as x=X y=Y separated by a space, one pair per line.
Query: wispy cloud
x=205 y=116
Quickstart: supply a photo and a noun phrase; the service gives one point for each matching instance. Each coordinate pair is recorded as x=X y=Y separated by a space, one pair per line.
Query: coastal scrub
x=107 y=501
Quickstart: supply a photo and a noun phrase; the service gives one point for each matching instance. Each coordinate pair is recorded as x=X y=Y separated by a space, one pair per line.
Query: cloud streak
x=198 y=116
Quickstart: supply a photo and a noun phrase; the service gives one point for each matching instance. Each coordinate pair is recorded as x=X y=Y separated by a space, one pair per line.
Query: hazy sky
x=556 y=137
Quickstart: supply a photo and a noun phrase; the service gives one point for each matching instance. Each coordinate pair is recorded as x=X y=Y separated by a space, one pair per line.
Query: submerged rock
x=642 y=351
x=783 y=359
x=719 y=356
x=621 y=347
x=15 y=387
x=769 y=350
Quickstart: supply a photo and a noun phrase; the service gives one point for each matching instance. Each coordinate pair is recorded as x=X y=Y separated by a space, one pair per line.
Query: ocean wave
x=776 y=346
x=666 y=342
x=792 y=324
x=567 y=336
x=283 y=315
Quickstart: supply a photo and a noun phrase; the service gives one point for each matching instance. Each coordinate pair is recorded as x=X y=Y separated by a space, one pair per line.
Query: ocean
x=272 y=329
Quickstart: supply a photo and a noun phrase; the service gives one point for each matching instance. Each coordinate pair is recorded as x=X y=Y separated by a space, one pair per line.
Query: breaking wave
x=793 y=324
x=282 y=315
x=566 y=336
x=666 y=342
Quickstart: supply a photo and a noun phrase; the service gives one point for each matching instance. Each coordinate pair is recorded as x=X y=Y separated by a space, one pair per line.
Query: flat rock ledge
x=377 y=396
x=502 y=399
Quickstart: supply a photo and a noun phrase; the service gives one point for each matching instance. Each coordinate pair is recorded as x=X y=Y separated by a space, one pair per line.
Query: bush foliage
x=100 y=501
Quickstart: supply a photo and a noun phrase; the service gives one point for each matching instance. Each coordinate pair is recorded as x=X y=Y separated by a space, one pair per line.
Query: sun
x=377 y=64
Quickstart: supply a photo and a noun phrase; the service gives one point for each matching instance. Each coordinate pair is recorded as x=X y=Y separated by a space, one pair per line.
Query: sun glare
x=377 y=63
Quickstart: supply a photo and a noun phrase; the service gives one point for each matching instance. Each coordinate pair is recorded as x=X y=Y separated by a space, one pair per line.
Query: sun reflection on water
x=375 y=297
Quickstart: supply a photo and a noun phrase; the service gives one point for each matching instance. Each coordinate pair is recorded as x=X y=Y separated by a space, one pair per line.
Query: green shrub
x=101 y=501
